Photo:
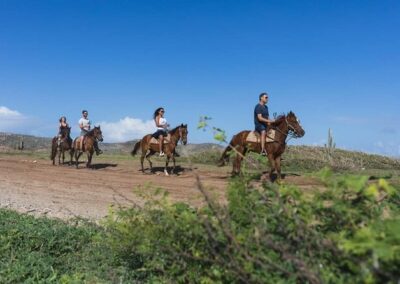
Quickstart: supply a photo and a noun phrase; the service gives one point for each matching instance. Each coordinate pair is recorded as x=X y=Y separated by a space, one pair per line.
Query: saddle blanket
x=254 y=136
x=166 y=140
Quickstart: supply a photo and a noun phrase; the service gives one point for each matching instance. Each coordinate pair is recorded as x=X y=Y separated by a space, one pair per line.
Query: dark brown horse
x=62 y=146
x=284 y=126
x=149 y=148
x=87 y=145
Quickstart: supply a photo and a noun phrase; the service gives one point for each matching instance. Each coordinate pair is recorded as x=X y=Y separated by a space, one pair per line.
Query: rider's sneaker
x=162 y=154
x=263 y=153
x=99 y=152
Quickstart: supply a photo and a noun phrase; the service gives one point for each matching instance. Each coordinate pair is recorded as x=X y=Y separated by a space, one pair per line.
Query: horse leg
x=77 y=156
x=238 y=161
x=278 y=168
x=53 y=153
x=272 y=162
x=71 y=154
x=59 y=156
x=151 y=153
x=142 y=161
x=63 y=156
x=174 y=163
x=166 y=165
x=89 y=159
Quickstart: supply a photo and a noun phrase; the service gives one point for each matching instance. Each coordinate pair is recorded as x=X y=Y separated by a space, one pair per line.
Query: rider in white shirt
x=85 y=126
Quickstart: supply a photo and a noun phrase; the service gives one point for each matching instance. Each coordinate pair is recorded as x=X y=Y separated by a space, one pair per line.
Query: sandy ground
x=39 y=188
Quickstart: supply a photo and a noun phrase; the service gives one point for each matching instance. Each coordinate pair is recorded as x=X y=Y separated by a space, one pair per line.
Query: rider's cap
x=84 y=111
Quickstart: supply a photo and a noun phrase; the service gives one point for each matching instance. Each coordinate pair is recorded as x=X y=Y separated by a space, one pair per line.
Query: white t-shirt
x=162 y=121
x=85 y=122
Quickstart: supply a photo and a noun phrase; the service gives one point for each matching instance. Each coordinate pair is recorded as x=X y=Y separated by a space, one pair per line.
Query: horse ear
x=185 y=125
x=182 y=125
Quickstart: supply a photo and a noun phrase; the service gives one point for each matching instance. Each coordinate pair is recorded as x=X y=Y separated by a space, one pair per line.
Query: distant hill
x=11 y=142
x=304 y=157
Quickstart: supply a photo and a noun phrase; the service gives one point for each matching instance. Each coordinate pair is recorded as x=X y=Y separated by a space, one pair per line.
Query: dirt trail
x=39 y=188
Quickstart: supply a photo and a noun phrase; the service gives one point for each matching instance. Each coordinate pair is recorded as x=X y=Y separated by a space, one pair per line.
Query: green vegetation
x=348 y=231
x=51 y=251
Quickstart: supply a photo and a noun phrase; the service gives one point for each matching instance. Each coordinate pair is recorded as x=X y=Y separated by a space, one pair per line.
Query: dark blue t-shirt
x=263 y=110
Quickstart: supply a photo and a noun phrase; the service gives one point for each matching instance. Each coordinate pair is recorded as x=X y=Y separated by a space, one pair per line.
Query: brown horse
x=284 y=126
x=149 y=149
x=61 y=147
x=87 y=145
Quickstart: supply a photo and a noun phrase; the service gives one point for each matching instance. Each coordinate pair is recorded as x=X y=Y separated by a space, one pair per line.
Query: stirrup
x=162 y=154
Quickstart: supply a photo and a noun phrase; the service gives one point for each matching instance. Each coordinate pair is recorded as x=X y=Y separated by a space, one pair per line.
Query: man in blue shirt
x=261 y=120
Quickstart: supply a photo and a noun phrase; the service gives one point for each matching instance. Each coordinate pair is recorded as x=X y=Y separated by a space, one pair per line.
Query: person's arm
x=265 y=120
x=158 y=122
x=80 y=124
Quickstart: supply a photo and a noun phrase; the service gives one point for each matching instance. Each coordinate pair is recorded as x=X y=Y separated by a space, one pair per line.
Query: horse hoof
x=166 y=173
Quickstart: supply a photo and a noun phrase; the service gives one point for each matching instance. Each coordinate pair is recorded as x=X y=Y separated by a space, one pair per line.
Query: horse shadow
x=103 y=166
x=178 y=170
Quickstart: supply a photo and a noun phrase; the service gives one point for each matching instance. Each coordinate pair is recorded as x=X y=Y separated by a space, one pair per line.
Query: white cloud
x=126 y=129
x=390 y=148
x=11 y=120
x=6 y=112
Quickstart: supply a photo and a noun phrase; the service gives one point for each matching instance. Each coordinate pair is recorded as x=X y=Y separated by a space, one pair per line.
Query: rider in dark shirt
x=261 y=120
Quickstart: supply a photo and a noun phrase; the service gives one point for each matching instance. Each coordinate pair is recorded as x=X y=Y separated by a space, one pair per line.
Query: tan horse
x=150 y=146
x=87 y=145
x=284 y=126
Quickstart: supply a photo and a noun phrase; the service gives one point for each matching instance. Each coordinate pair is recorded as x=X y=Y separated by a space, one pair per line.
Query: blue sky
x=336 y=64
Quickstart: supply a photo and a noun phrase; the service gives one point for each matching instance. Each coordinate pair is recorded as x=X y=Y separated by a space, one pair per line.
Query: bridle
x=292 y=133
x=181 y=134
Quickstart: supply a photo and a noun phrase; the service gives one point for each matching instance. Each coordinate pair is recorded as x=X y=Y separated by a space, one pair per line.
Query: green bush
x=40 y=250
x=348 y=232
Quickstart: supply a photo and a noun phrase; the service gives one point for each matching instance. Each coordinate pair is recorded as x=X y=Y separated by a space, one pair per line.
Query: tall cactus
x=330 y=145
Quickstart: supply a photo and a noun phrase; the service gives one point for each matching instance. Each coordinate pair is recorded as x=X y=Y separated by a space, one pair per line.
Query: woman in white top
x=162 y=128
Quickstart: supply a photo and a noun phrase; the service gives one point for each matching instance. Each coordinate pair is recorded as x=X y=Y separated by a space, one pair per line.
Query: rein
x=291 y=132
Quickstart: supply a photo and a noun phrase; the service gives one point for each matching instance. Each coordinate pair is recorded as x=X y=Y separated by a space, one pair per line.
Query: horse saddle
x=166 y=140
x=255 y=137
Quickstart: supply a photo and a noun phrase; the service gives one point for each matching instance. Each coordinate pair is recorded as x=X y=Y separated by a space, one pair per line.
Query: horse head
x=183 y=133
x=294 y=125
x=97 y=133
x=65 y=132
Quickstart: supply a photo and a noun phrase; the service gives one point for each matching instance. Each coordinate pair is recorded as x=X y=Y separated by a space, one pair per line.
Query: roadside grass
x=42 y=250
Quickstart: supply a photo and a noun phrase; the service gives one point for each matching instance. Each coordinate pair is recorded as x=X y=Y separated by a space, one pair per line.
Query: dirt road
x=37 y=187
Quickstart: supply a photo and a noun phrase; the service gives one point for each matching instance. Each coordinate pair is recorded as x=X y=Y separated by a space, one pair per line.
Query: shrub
x=266 y=234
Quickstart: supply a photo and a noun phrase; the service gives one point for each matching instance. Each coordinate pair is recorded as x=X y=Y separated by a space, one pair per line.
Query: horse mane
x=174 y=129
x=279 y=119
x=90 y=132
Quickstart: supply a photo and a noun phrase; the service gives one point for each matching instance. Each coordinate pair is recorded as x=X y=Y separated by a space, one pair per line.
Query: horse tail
x=136 y=148
x=225 y=155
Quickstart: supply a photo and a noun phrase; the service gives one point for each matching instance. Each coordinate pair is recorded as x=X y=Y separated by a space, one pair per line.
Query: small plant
x=330 y=146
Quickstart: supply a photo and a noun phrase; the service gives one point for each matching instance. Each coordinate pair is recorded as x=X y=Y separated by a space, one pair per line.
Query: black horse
x=61 y=144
